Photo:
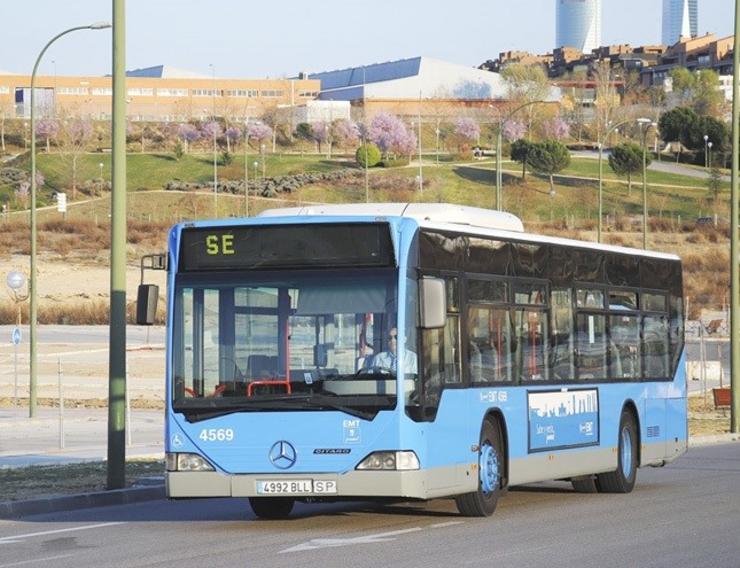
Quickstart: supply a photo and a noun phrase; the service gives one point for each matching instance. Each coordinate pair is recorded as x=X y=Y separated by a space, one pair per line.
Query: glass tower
x=680 y=19
x=578 y=24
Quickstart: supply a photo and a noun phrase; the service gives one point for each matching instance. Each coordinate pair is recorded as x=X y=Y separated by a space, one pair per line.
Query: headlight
x=390 y=461
x=187 y=462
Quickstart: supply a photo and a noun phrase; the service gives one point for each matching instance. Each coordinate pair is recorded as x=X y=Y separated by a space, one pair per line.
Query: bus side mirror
x=146 y=304
x=320 y=355
x=433 y=308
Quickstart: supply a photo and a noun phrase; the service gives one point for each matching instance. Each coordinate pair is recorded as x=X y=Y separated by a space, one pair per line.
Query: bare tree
x=607 y=98
x=526 y=84
x=73 y=139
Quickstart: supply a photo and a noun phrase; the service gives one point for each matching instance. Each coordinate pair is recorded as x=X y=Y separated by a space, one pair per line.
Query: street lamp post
x=436 y=133
x=246 y=168
x=499 y=144
x=613 y=128
x=421 y=166
x=706 y=146
x=100 y=165
x=645 y=125
x=709 y=154
x=256 y=163
x=32 y=278
x=262 y=151
x=16 y=281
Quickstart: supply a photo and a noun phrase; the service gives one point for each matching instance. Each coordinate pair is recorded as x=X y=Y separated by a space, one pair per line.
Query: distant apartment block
x=680 y=20
x=578 y=24
x=155 y=94
x=704 y=52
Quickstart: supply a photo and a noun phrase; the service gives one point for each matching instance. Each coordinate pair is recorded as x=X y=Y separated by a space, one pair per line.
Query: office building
x=578 y=24
x=159 y=93
x=680 y=20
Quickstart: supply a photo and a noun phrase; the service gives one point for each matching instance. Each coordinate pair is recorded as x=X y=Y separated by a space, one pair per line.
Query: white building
x=680 y=19
x=321 y=111
x=410 y=79
x=578 y=24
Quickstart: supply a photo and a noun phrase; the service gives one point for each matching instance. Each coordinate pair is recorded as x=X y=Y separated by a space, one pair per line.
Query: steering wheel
x=217 y=391
x=374 y=371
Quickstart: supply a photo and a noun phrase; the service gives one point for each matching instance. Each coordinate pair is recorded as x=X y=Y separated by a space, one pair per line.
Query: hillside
x=75 y=249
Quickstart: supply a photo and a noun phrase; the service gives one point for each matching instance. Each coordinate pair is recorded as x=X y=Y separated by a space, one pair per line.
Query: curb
x=10 y=509
x=697 y=441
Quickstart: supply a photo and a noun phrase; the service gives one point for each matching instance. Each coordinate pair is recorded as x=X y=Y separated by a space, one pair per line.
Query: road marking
x=25 y=562
x=16 y=538
x=447 y=524
x=318 y=543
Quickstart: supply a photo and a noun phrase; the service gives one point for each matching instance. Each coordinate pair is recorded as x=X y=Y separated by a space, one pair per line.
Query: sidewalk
x=25 y=441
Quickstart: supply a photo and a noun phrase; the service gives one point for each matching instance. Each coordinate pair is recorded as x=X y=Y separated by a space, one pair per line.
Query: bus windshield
x=284 y=341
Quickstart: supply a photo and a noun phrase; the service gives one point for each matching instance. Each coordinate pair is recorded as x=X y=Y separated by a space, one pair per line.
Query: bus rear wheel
x=622 y=480
x=482 y=503
x=272 y=507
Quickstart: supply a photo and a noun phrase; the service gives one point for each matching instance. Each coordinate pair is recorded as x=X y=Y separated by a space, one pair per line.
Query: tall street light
x=499 y=144
x=32 y=279
x=645 y=125
x=709 y=154
x=706 y=145
x=601 y=143
x=215 y=146
x=421 y=170
x=246 y=168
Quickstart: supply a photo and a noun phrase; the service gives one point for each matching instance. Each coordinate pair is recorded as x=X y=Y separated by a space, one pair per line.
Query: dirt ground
x=65 y=282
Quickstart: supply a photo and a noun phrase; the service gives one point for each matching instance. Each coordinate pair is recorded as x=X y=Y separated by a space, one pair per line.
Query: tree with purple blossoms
x=258 y=131
x=391 y=135
x=467 y=129
x=556 y=129
x=188 y=133
x=320 y=133
x=47 y=129
x=233 y=134
x=212 y=130
x=345 y=132
x=513 y=130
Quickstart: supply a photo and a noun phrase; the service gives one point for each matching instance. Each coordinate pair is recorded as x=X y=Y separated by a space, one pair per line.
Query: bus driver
x=388 y=359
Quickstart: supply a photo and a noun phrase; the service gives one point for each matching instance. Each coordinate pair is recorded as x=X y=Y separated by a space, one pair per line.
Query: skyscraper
x=578 y=24
x=680 y=19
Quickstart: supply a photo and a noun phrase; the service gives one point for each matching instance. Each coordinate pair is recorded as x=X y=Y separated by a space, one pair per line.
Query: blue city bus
x=412 y=352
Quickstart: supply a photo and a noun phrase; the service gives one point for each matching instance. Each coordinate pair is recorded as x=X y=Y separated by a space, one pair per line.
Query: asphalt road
x=85 y=334
x=684 y=515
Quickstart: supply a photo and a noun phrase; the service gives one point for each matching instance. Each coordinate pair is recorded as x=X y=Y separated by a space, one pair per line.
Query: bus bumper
x=406 y=484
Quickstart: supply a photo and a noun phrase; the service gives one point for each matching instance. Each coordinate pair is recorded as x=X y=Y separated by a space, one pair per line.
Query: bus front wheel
x=272 y=507
x=622 y=480
x=482 y=503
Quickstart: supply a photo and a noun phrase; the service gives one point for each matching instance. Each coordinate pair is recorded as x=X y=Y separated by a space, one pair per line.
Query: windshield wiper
x=288 y=402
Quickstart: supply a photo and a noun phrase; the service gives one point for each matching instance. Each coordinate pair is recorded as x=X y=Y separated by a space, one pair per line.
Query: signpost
x=16 y=339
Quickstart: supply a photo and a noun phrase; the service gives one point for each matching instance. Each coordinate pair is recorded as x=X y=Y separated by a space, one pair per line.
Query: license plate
x=295 y=487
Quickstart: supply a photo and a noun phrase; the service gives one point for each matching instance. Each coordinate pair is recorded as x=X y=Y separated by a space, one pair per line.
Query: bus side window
x=561 y=335
x=591 y=346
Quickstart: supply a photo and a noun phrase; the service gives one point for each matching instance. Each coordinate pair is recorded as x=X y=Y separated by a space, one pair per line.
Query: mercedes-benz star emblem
x=282 y=455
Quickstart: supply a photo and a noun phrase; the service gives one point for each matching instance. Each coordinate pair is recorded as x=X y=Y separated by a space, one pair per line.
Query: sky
x=260 y=39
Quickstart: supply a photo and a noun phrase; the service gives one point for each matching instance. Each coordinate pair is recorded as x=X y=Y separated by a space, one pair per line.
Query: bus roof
x=457 y=218
x=454 y=215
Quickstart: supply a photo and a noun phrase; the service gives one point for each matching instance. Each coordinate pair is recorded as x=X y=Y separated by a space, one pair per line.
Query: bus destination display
x=277 y=246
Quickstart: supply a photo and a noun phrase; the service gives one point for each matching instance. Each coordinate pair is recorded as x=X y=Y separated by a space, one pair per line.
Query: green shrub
x=179 y=150
x=395 y=162
x=369 y=150
x=227 y=158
